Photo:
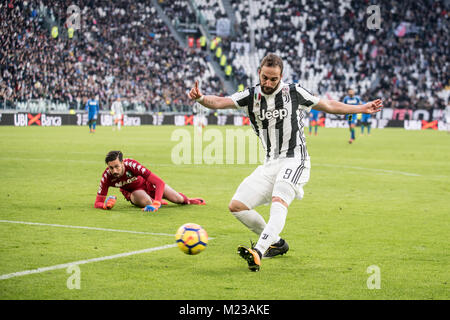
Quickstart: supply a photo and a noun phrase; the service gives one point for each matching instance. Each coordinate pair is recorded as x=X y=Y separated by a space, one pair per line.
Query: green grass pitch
x=383 y=201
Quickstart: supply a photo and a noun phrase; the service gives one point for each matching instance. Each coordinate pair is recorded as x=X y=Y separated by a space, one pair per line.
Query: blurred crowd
x=408 y=51
x=121 y=49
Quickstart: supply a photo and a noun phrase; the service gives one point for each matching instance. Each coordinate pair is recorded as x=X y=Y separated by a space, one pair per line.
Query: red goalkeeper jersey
x=135 y=177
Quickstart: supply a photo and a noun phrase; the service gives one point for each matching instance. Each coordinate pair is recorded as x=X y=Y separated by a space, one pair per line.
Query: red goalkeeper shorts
x=150 y=190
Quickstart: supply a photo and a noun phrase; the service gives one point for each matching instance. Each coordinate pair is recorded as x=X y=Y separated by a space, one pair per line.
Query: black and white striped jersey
x=277 y=119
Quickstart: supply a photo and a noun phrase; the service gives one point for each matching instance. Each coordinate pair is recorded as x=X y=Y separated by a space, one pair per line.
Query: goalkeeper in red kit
x=138 y=185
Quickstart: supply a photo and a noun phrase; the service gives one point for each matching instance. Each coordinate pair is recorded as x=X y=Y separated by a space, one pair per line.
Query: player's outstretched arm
x=211 y=102
x=106 y=203
x=336 y=107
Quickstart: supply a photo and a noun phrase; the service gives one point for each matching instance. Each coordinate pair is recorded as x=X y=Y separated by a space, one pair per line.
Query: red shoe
x=164 y=202
x=198 y=201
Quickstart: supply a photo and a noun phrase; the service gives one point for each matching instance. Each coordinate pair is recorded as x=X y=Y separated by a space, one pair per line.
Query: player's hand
x=152 y=207
x=195 y=92
x=373 y=106
x=109 y=202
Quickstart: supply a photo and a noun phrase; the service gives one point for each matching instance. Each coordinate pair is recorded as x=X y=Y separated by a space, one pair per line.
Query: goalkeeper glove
x=109 y=202
x=152 y=207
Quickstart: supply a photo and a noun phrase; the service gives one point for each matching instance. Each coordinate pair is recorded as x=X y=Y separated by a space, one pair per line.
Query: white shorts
x=257 y=188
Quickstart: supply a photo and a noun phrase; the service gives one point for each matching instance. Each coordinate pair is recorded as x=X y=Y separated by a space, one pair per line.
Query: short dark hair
x=113 y=155
x=272 y=60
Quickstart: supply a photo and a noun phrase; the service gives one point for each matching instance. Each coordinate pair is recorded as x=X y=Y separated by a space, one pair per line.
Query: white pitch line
x=66 y=265
x=87 y=228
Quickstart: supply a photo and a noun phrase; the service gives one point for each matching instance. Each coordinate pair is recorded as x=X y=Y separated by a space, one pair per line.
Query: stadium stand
x=212 y=10
x=127 y=49
x=178 y=11
x=328 y=47
x=121 y=49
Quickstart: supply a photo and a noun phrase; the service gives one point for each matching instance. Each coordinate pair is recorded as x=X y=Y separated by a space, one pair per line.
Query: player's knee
x=176 y=198
x=284 y=193
x=237 y=206
x=278 y=199
x=140 y=198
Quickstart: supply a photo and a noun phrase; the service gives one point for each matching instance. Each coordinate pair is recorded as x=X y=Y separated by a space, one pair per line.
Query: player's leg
x=315 y=129
x=250 y=218
x=350 y=130
x=173 y=196
x=92 y=123
x=278 y=212
x=244 y=212
x=288 y=185
x=140 y=198
x=178 y=197
x=127 y=196
x=255 y=190
x=351 y=125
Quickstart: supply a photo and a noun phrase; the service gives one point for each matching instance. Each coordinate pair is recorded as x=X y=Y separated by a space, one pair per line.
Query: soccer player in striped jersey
x=351 y=118
x=138 y=185
x=276 y=111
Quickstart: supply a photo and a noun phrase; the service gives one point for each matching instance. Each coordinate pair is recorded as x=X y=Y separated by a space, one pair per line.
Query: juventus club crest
x=286 y=95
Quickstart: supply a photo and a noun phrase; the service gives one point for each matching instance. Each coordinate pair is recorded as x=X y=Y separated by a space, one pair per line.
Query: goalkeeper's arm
x=106 y=203
x=158 y=184
x=155 y=182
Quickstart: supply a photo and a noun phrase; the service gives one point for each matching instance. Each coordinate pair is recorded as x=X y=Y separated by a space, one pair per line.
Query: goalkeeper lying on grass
x=138 y=185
